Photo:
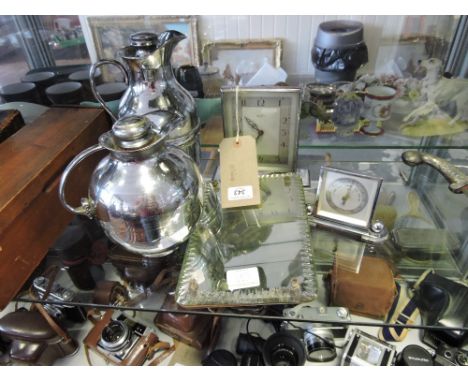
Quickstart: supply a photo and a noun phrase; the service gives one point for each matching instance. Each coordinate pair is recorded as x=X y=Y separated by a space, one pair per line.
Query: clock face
x=347 y=198
x=271 y=116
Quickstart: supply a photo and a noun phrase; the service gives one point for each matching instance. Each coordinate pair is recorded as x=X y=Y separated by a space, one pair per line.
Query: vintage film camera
x=366 y=350
x=449 y=356
x=442 y=302
x=59 y=294
x=318 y=338
x=121 y=340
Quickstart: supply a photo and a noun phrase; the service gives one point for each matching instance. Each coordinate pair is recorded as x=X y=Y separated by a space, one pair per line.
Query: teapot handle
x=87 y=204
x=92 y=72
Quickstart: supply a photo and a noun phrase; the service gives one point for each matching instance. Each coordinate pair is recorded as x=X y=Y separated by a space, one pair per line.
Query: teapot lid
x=143 y=39
x=130 y=134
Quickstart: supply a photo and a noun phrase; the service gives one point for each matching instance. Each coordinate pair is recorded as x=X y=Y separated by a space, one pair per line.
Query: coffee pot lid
x=131 y=133
x=142 y=39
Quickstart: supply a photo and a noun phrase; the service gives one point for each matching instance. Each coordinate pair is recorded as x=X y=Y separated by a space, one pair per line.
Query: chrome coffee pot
x=146 y=195
x=153 y=89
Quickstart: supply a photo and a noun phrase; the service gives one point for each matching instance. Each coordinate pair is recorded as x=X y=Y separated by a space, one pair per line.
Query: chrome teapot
x=153 y=90
x=146 y=195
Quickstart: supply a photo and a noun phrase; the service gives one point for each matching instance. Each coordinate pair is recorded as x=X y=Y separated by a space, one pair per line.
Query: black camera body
x=59 y=294
x=450 y=356
x=442 y=302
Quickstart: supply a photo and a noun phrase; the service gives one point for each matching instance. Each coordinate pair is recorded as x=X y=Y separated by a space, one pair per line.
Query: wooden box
x=31 y=164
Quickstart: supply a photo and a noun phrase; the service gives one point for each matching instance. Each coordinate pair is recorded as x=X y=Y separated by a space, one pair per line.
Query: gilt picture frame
x=111 y=33
x=229 y=55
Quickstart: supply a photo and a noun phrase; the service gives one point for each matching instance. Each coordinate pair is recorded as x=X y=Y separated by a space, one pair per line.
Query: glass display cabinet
x=293 y=258
x=277 y=263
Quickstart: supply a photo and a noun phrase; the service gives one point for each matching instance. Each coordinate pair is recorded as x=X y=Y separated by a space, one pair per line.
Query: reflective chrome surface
x=153 y=90
x=146 y=195
x=457 y=179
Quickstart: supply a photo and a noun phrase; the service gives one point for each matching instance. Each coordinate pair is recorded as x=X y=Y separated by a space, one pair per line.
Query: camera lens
x=320 y=345
x=283 y=355
x=462 y=359
x=248 y=344
x=284 y=349
x=115 y=336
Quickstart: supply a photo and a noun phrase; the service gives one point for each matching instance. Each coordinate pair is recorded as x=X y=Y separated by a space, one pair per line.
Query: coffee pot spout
x=167 y=41
x=170 y=37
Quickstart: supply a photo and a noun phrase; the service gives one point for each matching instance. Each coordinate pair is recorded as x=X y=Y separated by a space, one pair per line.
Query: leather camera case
x=442 y=302
x=139 y=352
x=193 y=330
x=33 y=340
x=370 y=292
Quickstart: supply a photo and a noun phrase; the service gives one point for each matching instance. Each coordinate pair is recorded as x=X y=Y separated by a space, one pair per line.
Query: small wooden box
x=31 y=164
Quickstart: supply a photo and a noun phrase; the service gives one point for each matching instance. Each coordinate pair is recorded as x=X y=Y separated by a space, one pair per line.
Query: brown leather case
x=109 y=292
x=92 y=339
x=137 y=270
x=193 y=330
x=35 y=339
x=139 y=353
x=370 y=292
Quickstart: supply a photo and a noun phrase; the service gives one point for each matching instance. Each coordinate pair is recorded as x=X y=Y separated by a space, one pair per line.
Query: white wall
x=298 y=33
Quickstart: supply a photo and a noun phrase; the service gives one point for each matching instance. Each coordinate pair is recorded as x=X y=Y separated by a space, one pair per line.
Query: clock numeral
x=261 y=102
x=285 y=120
x=243 y=102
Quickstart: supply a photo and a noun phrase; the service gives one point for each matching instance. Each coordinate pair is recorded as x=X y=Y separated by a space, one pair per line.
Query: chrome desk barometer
x=346 y=202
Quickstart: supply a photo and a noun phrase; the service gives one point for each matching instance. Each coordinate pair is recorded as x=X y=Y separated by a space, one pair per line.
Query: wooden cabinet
x=31 y=163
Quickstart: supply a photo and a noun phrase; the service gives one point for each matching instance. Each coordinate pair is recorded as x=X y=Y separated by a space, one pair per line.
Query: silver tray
x=271 y=240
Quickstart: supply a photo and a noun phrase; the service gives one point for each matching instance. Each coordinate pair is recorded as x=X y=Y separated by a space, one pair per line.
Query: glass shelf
x=392 y=138
x=443 y=211
x=152 y=302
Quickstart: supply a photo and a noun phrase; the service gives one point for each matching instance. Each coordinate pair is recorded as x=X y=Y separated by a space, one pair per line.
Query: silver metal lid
x=132 y=132
x=143 y=39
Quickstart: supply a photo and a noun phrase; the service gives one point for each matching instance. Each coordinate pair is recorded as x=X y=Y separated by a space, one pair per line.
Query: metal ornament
x=146 y=195
x=346 y=202
x=153 y=90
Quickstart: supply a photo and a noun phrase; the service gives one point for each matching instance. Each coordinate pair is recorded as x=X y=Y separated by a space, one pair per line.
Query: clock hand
x=254 y=126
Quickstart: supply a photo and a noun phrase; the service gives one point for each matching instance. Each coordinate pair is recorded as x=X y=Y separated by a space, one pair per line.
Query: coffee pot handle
x=92 y=72
x=87 y=204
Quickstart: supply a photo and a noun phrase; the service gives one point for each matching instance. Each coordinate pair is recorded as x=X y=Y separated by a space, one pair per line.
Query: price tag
x=242 y=278
x=240 y=193
x=239 y=172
